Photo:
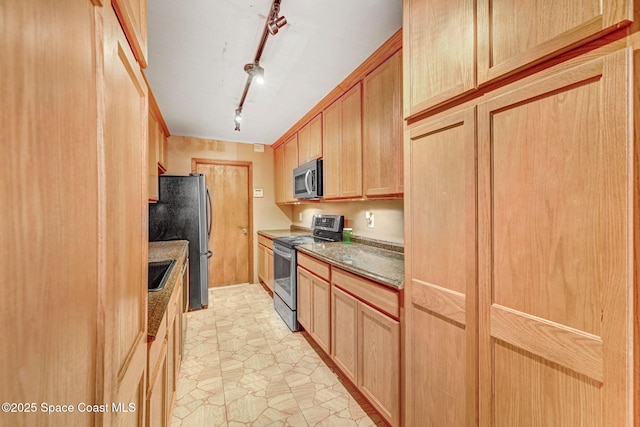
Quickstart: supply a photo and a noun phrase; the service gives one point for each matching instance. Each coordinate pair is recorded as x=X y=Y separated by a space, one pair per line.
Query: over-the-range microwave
x=307 y=180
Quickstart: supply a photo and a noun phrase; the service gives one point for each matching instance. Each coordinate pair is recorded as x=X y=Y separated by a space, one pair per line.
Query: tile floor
x=243 y=367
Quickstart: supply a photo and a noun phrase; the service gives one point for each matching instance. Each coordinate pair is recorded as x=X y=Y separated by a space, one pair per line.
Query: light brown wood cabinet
x=439 y=53
x=344 y=336
x=382 y=124
x=314 y=293
x=279 y=171
x=164 y=355
x=342 y=136
x=510 y=38
x=441 y=328
x=512 y=303
x=125 y=256
x=132 y=15
x=157 y=133
x=290 y=163
x=512 y=35
x=85 y=342
x=369 y=349
x=310 y=140
x=265 y=261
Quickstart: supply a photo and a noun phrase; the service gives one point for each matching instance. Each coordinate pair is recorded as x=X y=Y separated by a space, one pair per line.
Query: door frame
x=249 y=166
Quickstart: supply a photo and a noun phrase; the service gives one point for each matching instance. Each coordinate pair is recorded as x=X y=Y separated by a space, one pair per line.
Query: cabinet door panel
x=304 y=299
x=310 y=140
x=279 y=169
x=439 y=51
x=513 y=34
x=290 y=163
x=382 y=144
x=351 y=144
x=332 y=126
x=321 y=293
x=125 y=189
x=441 y=310
x=344 y=320
x=379 y=361
x=554 y=253
x=270 y=269
x=132 y=15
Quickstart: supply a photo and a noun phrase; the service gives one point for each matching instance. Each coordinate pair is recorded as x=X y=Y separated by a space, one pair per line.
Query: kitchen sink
x=159 y=272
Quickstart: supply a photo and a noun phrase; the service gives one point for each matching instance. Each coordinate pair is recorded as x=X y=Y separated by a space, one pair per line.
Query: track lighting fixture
x=253 y=69
x=276 y=24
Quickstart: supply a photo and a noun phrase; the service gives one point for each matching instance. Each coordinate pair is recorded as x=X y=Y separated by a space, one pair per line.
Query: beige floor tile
x=243 y=367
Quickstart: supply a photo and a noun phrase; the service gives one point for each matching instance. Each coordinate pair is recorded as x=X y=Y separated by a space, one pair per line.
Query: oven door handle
x=284 y=254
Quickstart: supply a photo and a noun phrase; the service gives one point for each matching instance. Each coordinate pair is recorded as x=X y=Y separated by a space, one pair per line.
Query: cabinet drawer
x=265 y=241
x=379 y=296
x=319 y=268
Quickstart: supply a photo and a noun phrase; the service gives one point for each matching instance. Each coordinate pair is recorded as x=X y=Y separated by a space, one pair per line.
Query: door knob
x=244 y=230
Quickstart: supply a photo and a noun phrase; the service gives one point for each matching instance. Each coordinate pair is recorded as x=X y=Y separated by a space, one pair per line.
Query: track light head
x=255 y=71
x=276 y=23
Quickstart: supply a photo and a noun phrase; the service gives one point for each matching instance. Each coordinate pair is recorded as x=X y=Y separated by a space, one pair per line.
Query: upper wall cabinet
x=290 y=163
x=439 y=48
x=343 y=146
x=382 y=161
x=310 y=140
x=132 y=15
x=279 y=171
x=513 y=34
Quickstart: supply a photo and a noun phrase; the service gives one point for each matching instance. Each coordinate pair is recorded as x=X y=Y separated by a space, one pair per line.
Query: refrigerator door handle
x=209 y=213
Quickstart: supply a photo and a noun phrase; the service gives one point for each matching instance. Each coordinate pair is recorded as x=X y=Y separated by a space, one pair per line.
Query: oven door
x=284 y=274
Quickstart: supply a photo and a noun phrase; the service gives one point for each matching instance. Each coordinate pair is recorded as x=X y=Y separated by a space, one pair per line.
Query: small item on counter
x=347 y=234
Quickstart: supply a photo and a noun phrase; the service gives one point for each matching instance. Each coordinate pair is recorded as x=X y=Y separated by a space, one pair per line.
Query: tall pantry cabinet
x=73 y=236
x=521 y=213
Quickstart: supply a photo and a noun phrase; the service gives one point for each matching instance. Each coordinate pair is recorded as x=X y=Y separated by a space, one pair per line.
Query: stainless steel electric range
x=326 y=228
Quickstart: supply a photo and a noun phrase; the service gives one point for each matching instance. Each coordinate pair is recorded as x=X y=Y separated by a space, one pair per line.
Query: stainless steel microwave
x=307 y=180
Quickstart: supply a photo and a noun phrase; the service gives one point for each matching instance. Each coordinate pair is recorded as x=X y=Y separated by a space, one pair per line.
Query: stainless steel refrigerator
x=183 y=212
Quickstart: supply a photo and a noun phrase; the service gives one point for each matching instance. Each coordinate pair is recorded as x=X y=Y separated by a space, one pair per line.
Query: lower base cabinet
x=164 y=356
x=378 y=361
x=314 y=296
x=344 y=338
x=265 y=262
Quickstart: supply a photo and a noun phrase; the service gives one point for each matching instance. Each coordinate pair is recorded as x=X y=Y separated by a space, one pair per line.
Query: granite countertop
x=158 y=301
x=381 y=265
x=274 y=234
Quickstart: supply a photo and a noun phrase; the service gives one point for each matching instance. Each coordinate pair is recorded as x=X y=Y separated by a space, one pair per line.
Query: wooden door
x=556 y=286
x=332 y=133
x=439 y=51
x=344 y=332
x=378 y=361
x=513 y=34
x=125 y=211
x=351 y=143
x=231 y=233
x=321 y=313
x=441 y=286
x=382 y=143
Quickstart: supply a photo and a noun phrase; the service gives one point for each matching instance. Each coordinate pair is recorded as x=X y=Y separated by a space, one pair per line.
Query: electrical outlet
x=299 y=216
x=370 y=220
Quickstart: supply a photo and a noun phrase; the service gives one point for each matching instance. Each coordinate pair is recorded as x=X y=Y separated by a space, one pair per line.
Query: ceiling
x=198 y=49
